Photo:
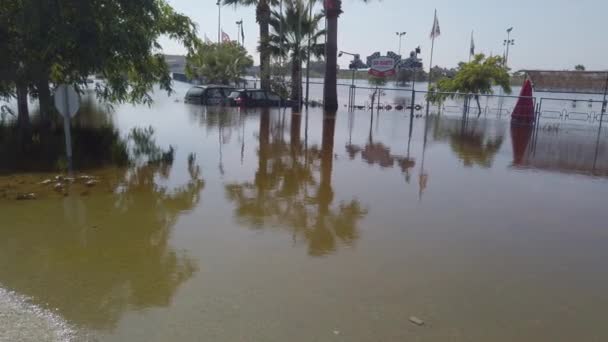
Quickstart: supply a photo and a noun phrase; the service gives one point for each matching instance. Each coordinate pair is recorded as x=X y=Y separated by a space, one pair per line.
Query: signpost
x=67 y=103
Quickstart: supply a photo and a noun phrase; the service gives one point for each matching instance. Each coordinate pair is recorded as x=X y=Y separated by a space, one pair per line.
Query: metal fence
x=549 y=108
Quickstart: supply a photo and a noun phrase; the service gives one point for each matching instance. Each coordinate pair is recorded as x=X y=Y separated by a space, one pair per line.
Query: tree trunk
x=330 y=91
x=478 y=105
x=44 y=99
x=294 y=136
x=296 y=83
x=23 y=116
x=326 y=194
x=263 y=18
x=261 y=177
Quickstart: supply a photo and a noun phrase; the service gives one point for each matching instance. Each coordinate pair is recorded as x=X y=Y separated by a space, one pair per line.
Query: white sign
x=382 y=66
x=67 y=100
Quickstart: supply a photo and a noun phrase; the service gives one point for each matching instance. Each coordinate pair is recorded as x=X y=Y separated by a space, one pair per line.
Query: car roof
x=206 y=86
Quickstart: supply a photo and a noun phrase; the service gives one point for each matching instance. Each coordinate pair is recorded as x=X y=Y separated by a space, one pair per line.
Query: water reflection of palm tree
x=287 y=192
x=94 y=258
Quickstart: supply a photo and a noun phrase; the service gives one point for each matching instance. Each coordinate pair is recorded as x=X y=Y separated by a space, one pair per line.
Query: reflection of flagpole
x=424 y=177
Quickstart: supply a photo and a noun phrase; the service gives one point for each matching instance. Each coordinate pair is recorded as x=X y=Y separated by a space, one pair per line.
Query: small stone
x=26 y=197
x=416 y=320
x=46 y=182
x=91 y=183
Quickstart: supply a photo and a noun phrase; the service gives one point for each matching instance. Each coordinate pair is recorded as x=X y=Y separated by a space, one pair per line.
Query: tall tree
x=262 y=17
x=66 y=41
x=333 y=9
x=295 y=34
x=218 y=63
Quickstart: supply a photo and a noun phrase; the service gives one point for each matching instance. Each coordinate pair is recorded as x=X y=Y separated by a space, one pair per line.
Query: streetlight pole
x=239 y=25
x=508 y=42
x=400 y=35
x=219 y=22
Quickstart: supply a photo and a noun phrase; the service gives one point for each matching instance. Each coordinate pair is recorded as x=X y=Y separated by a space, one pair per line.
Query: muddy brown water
x=300 y=228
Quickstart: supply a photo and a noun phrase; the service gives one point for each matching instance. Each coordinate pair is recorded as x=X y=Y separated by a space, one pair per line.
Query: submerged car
x=208 y=95
x=256 y=98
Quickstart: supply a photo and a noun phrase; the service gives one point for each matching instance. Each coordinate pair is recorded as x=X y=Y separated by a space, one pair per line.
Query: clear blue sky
x=549 y=34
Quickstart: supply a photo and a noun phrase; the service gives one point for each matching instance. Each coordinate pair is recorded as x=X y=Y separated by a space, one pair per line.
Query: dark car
x=208 y=94
x=256 y=98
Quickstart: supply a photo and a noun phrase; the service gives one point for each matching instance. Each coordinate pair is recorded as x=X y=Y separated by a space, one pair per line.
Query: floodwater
x=304 y=228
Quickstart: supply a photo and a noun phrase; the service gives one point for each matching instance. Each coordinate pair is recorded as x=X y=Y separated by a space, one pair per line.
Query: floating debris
x=416 y=320
x=46 y=182
x=26 y=197
x=58 y=186
x=336 y=332
x=91 y=182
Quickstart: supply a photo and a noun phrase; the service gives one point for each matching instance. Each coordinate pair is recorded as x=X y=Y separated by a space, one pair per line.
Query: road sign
x=67 y=103
x=67 y=100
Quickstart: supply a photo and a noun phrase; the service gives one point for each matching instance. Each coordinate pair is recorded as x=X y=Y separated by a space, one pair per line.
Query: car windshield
x=234 y=94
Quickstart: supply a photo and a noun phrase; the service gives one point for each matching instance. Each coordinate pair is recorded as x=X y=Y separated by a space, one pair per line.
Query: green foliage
x=66 y=41
x=218 y=63
x=295 y=35
x=475 y=77
x=377 y=81
x=579 y=67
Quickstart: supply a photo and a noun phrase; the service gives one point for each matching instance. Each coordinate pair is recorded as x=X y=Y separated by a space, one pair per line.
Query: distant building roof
x=587 y=82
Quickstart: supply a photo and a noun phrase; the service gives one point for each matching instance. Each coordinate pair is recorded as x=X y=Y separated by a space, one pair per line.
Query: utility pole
x=219 y=22
x=508 y=42
x=239 y=29
x=400 y=35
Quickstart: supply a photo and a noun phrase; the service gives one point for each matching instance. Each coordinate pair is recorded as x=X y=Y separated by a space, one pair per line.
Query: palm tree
x=295 y=34
x=333 y=9
x=262 y=16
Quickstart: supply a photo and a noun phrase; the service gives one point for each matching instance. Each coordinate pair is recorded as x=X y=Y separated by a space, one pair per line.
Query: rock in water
x=416 y=320
x=26 y=197
x=91 y=183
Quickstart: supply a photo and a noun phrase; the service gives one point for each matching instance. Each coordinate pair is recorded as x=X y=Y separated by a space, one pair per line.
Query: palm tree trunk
x=263 y=19
x=330 y=91
x=296 y=82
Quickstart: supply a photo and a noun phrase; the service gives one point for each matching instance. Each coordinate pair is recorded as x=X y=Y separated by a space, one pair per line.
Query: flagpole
x=431 y=63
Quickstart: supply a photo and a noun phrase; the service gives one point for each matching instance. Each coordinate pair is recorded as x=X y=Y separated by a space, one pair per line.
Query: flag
x=436 y=31
x=472 y=50
x=225 y=37
x=207 y=40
